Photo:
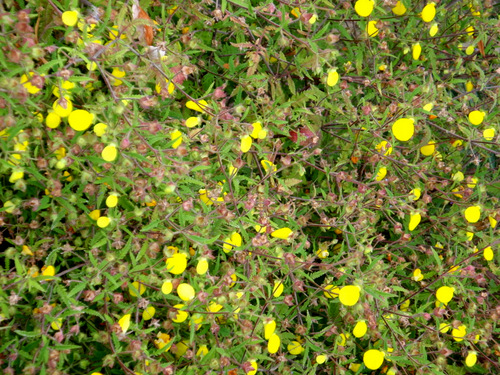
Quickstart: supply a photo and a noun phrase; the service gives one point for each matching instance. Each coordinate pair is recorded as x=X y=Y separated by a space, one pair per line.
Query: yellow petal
x=333 y=78
x=371 y=29
x=403 y=129
x=124 y=322
x=177 y=263
x=246 y=143
x=373 y=359
x=103 y=221
x=176 y=136
x=349 y=295
x=278 y=288
x=269 y=328
x=399 y=9
x=471 y=359
x=112 y=200
x=282 y=233
x=429 y=12
x=109 y=153
x=428 y=149
x=489 y=134
x=148 y=313
x=382 y=172
x=193 y=121
x=364 y=7
x=444 y=294
x=274 y=343
x=360 y=329
x=414 y=221
x=186 y=292
x=202 y=266
x=199 y=107
x=434 y=29
x=472 y=214
x=416 y=51
x=476 y=117
x=70 y=18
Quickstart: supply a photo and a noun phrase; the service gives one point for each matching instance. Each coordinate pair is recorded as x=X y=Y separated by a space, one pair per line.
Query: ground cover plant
x=246 y=186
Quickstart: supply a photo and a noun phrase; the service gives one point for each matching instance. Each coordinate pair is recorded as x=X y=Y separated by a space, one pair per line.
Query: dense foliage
x=247 y=186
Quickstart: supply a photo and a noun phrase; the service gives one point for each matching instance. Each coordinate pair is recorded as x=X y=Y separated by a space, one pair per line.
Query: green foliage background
x=251 y=61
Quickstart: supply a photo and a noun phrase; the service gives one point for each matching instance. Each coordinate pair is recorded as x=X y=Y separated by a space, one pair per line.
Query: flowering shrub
x=246 y=186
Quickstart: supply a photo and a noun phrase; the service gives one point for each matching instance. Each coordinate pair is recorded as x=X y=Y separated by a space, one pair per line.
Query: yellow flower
x=444 y=327
x=459 y=333
x=434 y=29
x=295 y=348
x=331 y=291
x=471 y=358
x=63 y=108
x=32 y=89
x=360 y=329
x=180 y=316
x=199 y=107
x=283 y=233
x=258 y=132
x=70 y=18
x=191 y=122
x=403 y=129
x=16 y=175
x=176 y=136
x=476 y=117
x=382 y=172
x=429 y=12
x=349 y=295
x=269 y=328
x=80 y=119
x=94 y=215
x=364 y=7
x=417 y=275
x=399 y=9
x=488 y=253
x=234 y=241
x=117 y=73
x=384 y=148
x=177 y=263
x=472 y=214
x=489 y=134
x=56 y=324
x=202 y=266
x=458 y=176
x=255 y=368
x=373 y=359
x=103 y=221
x=135 y=288
x=342 y=339
x=268 y=166
x=493 y=222
x=112 y=200
x=148 y=313
x=214 y=307
x=109 y=153
x=246 y=143
x=296 y=12
x=415 y=194
x=186 y=292
x=469 y=86
x=53 y=120
x=333 y=78
x=278 y=288
x=162 y=340
x=469 y=50
x=170 y=87
x=416 y=51
x=428 y=149
x=414 y=221
x=202 y=351
x=444 y=294
x=113 y=33
x=48 y=271
x=274 y=343
x=320 y=359
x=124 y=322
x=371 y=29
x=26 y=250
x=166 y=287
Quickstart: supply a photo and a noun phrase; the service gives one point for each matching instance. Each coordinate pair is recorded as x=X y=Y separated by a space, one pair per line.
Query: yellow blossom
x=274 y=343
x=417 y=275
x=176 y=136
x=109 y=153
x=124 y=322
x=246 y=143
x=364 y=7
x=333 y=77
x=382 y=172
x=70 y=18
x=476 y=117
x=199 y=107
x=373 y=359
x=135 y=288
x=278 y=288
x=371 y=28
x=414 y=221
x=472 y=214
x=283 y=233
x=349 y=295
x=177 y=263
x=148 y=313
x=399 y=9
x=429 y=12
